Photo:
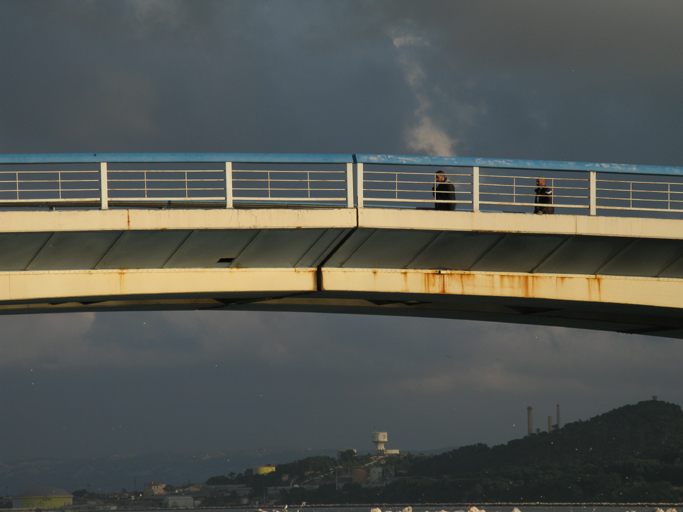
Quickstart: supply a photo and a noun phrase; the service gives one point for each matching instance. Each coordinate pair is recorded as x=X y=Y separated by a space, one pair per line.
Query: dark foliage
x=630 y=454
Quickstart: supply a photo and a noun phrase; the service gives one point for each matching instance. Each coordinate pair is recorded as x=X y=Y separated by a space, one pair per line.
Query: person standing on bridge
x=544 y=196
x=443 y=190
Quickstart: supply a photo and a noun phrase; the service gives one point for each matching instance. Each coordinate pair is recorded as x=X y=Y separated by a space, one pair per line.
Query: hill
x=632 y=454
x=628 y=455
x=647 y=430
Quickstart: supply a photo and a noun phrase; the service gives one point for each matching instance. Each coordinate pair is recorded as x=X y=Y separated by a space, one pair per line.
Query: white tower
x=379 y=438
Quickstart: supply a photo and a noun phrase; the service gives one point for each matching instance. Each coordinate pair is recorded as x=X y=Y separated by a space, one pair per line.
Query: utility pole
x=530 y=419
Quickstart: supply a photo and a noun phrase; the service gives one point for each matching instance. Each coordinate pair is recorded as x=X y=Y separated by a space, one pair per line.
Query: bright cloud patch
x=425 y=135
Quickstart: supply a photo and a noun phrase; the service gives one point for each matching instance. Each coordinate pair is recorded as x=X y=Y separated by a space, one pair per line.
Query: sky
x=580 y=81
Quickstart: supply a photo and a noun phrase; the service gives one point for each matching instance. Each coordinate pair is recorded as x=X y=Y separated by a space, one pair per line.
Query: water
x=451 y=508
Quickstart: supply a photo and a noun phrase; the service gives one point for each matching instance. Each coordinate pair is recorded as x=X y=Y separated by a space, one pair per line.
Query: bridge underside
x=622 y=275
x=420 y=299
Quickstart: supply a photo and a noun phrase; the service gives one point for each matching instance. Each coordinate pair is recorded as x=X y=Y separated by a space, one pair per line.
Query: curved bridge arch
x=606 y=273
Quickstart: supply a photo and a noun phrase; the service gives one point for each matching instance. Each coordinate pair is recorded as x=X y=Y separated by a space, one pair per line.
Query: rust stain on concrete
x=434 y=282
x=521 y=285
x=122 y=280
x=467 y=283
x=595 y=288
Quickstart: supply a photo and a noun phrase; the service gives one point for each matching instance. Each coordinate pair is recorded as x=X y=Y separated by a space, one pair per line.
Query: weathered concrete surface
x=144 y=219
x=383 y=218
x=592 y=272
x=664 y=293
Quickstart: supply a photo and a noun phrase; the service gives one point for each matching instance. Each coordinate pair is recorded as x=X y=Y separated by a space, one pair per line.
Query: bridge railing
x=155 y=185
x=313 y=185
x=503 y=190
x=497 y=189
x=510 y=185
x=161 y=180
x=19 y=186
x=226 y=180
x=646 y=195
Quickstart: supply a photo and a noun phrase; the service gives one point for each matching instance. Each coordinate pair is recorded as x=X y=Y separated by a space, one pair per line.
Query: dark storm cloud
x=208 y=76
x=595 y=81
x=580 y=81
x=130 y=383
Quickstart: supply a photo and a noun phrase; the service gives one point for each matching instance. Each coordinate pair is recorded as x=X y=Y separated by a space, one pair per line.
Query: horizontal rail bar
x=633 y=208
x=280 y=199
x=142 y=200
x=431 y=201
x=280 y=158
x=555 y=205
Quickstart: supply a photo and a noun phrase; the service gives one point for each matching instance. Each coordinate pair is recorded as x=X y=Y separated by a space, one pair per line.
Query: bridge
x=346 y=234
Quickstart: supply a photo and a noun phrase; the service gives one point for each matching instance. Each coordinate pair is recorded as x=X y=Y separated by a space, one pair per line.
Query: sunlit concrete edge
x=611 y=303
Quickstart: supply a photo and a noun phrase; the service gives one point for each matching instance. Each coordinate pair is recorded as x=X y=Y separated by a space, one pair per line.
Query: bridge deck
x=578 y=271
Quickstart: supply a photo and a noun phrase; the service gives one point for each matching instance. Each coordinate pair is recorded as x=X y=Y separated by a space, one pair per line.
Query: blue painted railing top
x=501 y=163
x=314 y=158
x=269 y=158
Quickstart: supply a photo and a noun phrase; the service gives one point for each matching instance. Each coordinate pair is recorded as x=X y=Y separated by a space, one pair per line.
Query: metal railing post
x=593 y=192
x=349 y=185
x=228 y=185
x=475 y=189
x=359 y=174
x=104 y=186
x=514 y=190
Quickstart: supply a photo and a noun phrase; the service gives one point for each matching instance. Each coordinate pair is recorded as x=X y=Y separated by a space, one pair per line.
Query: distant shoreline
x=449 y=505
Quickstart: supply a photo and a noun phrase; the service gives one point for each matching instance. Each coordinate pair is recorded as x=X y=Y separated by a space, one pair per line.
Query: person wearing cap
x=544 y=196
x=443 y=191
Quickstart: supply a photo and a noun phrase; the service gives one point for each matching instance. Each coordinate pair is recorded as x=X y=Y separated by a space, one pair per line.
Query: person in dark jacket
x=544 y=196
x=443 y=190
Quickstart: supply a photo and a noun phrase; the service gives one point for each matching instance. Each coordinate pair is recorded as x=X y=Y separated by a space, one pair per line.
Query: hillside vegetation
x=628 y=455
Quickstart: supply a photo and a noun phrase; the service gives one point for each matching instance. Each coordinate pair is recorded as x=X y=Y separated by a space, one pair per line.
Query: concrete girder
x=626 y=304
x=601 y=273
x=483 y=222
x=106 y=285
x=645 y=292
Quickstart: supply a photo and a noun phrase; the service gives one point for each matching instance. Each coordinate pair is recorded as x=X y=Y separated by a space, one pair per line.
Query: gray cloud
x=136 y=382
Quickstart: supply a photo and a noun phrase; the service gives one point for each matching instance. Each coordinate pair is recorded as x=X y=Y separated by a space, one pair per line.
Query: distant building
x=154 y=489
x=263 y=470
x=178 y=502
x=215 y=490
x=379 y=438
x=42 y=497
x=359 y=476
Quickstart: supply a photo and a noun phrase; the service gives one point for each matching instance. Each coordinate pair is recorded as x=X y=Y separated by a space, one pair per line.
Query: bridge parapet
x=484 y=184
x=229 y=180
